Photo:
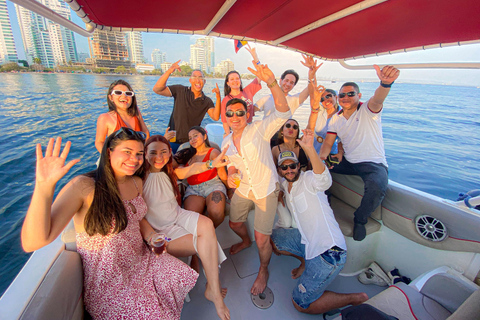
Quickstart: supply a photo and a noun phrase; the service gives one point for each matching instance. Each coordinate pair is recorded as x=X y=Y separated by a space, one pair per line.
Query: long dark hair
x=167 y=168
x=133 y=109
x=183 y=156
x=226 y=87
x=280 y=132
x=107 y=209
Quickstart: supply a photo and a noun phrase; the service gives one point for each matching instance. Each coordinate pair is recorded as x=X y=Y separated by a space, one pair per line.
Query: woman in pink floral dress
x=123 y=278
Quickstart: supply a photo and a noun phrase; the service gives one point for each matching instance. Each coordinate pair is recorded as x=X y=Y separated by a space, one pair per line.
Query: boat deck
x=238 y=273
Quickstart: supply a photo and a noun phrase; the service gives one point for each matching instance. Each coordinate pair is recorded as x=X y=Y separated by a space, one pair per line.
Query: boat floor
x=238 y=273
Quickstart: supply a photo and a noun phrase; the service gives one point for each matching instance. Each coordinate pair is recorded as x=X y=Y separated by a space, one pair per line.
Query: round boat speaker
x=430 y=228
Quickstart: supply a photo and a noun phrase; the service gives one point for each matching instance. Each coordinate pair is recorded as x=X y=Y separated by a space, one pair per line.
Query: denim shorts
x=319 y=271
x=204 y=189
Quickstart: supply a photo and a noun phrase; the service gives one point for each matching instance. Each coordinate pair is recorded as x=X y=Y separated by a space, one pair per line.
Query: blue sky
x=177 y=47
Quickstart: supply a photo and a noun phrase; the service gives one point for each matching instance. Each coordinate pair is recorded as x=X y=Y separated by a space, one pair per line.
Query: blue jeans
x=319 y=272
x=375 y=178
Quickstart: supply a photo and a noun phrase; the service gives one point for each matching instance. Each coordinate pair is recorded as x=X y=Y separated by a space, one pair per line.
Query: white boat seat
x=438 y=299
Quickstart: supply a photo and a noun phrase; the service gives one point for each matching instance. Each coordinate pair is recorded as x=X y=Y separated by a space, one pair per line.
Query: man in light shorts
x=250 y=157
x=317 y=241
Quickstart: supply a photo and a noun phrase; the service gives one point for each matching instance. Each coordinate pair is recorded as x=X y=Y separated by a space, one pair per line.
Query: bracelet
x=311 y=80
x=257 y=63
x=386 y=85
x=273 y=84
x=315 y=110
x=209 y=164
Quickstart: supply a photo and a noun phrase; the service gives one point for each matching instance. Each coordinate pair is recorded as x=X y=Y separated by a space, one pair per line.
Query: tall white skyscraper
x=202 y=54
x=224 y=67
x=158 y=57
x=135 y=47
x=8 y=52
x=44 y=39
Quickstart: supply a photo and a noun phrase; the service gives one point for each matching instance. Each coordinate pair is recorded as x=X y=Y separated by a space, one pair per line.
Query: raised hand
x=307 y=139
x=263 y=73
x=174 y=67
x=311 y=64
x=221 y=160
x=52 y=167
x=316 y=94
x=216 y=90
x=387 y=74
x=253 y=52
x=169 y=134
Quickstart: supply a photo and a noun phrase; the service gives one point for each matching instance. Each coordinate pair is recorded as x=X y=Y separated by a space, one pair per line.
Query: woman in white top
x=190 y=232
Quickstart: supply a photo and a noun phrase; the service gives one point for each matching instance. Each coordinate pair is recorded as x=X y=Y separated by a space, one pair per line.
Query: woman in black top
x=287 y=141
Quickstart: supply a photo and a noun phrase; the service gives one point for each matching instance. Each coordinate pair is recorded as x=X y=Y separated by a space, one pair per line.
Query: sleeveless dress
x=123 y=279
x=121 y=123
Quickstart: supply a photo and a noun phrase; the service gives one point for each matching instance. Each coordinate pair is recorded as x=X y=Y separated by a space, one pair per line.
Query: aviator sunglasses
x=130 y=132
x=350 y=94
x=239 y=113
x=291 y=166
x=120 y=92
x=328 y=96
x=288 y=126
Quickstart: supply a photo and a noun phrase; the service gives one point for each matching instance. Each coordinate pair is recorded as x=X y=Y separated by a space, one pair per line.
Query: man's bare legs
x=331 y=300
x=241 y=230
x=265 y=253
x=297 y=272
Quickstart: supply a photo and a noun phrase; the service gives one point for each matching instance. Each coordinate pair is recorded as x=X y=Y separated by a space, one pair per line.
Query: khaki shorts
x=265 y=210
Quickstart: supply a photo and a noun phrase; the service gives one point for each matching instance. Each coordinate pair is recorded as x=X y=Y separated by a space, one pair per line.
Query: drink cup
x=174 y=139
x=237 y=178
x=158 y=243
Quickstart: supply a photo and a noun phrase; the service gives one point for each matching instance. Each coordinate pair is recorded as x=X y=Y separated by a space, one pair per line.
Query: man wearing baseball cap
x=317 y=241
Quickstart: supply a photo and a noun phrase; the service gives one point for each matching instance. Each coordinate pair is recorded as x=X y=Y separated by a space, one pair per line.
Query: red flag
x=239 y=44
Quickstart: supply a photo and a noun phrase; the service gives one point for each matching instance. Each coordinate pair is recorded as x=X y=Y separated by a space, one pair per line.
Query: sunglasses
x=291 y=166
x=288 y=126
x=198 y=78
x=130 y=132
x=120 y=92
x=328 y=96
x=239 y=113
x=350 y=94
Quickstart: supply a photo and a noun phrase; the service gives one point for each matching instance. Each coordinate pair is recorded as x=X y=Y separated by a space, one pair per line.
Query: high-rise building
x=158 y=57
x=224 y=67
x=135 y=46
x=108 y=50
x=44 y=39
x=83 y=56
x=8 y=52
x=202 y=54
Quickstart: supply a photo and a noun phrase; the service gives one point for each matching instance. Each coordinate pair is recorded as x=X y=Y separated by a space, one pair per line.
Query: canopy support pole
x=459 y=65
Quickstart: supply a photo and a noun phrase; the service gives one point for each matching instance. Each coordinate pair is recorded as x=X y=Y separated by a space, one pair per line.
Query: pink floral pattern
x=123 y=279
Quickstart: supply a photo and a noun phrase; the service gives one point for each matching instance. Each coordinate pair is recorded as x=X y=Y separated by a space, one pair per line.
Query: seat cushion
x=344 y=216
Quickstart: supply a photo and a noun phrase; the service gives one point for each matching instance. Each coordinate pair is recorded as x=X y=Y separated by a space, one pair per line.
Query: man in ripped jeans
x=317 y=241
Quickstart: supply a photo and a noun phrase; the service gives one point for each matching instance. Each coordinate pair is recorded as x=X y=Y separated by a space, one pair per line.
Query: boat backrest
x=68 y=237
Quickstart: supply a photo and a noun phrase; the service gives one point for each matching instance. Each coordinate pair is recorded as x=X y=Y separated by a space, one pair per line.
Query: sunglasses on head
x=120 y=92
x=288 y=126
x=328 y=96
x=130 y=132
x=239 y=113
x=291 y=166
x=350 y=94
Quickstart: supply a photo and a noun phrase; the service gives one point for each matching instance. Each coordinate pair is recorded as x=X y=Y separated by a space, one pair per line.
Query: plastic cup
x=158 y=243
x=237 y=179
x=174 y=137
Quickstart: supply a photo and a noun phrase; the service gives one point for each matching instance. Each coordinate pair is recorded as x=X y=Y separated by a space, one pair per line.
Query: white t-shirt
x=313 y=215
x=267 y=104
x=361 y=135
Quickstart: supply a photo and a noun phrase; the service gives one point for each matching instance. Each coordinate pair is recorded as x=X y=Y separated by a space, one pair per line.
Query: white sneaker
x=374 y=275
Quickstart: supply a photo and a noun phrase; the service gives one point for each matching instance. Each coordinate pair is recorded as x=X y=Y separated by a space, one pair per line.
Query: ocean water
x=431 y=132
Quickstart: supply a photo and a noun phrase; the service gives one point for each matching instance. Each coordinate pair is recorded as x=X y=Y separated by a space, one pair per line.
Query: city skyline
x=177 y=47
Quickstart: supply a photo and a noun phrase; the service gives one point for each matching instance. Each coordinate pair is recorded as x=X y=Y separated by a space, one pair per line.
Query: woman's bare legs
x=208 y=251
x=216 y=207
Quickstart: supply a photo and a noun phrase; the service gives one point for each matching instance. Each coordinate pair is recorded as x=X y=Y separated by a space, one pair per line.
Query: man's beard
x=295 y=178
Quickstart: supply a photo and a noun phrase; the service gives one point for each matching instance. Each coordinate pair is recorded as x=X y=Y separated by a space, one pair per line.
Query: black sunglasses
x=130 y=132
x=288 y=126
x=328 y=96
x=120 y=92
x=350 y=94
x=239 y=113
x=291 y=166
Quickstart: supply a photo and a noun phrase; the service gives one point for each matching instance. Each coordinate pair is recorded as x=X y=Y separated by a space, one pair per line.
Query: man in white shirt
x=250 y=156
x=288 y=80
x=317 y=241
x=359 y=127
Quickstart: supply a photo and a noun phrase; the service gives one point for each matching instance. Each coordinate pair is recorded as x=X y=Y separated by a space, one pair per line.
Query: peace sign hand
x=263 y=73
x=216 y=90
x=52 y=167
x=221 y=160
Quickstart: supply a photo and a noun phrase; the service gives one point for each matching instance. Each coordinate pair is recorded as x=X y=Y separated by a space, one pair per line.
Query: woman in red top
x=233 y=89
x=122 y=112
x=206 y=188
